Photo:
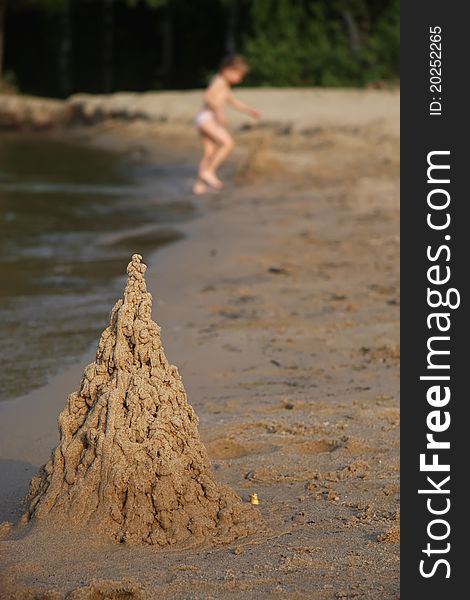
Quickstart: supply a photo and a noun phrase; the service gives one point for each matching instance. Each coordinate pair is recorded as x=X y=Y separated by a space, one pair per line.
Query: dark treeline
x=57 y=47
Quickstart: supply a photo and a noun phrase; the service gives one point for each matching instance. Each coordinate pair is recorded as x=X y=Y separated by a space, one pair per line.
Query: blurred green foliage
x=56 y=47
x=323 y=42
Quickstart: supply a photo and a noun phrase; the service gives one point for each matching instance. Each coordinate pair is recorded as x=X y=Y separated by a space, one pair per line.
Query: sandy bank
x=292 y=110
x=25 y=112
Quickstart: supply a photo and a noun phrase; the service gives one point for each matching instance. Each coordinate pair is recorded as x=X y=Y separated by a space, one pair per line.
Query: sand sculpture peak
x=130 y=462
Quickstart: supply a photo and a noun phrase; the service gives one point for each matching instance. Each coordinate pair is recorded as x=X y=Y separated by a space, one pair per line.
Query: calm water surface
x=70 y=217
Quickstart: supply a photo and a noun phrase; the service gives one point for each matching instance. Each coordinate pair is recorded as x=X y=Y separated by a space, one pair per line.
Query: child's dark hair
x=234 y=61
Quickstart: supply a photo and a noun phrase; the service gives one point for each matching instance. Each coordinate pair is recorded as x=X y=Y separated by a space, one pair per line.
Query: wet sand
x=280 y=308
x=71 y=215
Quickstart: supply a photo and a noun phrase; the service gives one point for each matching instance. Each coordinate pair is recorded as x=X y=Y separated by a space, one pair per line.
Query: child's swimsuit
x=203 y=116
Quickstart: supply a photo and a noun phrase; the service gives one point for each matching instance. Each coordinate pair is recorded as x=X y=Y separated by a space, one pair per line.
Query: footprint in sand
x=224 y=448
x=314 y=446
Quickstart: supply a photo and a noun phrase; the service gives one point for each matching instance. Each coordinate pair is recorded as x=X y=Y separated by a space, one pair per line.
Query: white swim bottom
x=203 y=116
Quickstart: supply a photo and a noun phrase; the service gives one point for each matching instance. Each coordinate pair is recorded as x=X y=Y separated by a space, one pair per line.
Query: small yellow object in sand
x=254 y=499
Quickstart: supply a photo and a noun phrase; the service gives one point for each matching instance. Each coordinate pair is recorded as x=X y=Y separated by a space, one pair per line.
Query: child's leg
x=209 y=151
x=209 y=148
x=222 y=153
x=218 y=134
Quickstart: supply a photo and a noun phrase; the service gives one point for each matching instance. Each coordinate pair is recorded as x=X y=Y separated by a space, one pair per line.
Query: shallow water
x=70 y=217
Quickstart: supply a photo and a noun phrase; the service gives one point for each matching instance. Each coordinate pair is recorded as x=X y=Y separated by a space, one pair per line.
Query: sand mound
x=130 y=462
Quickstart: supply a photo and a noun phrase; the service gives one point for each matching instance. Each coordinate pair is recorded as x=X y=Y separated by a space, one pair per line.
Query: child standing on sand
x=211 y=121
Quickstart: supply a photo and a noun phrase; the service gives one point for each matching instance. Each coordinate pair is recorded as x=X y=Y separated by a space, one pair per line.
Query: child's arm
x=242 y=107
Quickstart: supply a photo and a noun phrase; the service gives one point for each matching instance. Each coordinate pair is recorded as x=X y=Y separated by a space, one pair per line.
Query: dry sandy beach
x=280 y=308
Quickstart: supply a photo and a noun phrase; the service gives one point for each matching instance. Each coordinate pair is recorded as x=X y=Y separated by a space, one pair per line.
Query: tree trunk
x=353 y=31
x=64 y=51
x=232 y=26
x=2 y=34
x=108 y=42
x=167 y=43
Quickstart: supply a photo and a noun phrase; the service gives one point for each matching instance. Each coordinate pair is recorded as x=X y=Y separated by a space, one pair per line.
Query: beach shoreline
x=280 y=309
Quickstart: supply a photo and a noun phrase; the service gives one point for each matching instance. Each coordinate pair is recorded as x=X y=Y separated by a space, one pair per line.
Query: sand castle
x=130 y=462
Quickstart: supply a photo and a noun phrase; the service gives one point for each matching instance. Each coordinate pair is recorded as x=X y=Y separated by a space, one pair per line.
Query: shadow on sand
x=15 y=476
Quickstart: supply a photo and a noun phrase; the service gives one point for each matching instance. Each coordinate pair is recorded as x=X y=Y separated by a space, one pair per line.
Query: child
x=211 y=121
